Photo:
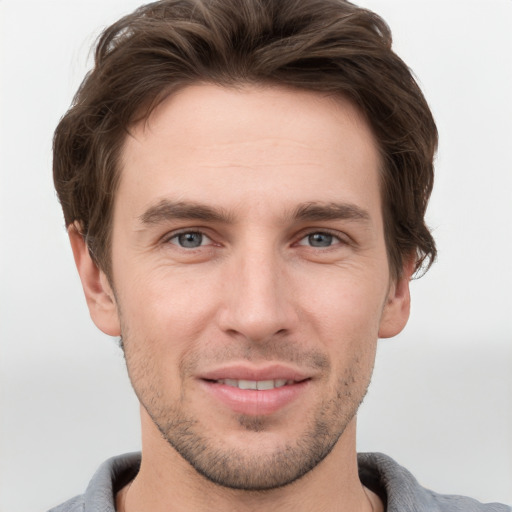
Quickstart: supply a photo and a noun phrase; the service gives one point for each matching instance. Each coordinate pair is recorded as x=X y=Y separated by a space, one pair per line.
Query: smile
x=256 y=397
x=261 y=385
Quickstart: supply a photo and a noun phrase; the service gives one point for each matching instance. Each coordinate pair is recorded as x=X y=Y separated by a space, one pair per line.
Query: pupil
x=190 y=240
x=320 y=239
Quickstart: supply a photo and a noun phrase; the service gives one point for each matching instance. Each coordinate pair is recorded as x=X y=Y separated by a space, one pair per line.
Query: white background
x=441 y=399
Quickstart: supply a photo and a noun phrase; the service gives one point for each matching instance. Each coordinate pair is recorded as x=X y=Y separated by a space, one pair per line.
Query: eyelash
x=187 y=232
x=335 y=235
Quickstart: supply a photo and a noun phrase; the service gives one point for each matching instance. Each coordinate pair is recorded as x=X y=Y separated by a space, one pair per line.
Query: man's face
x=248 y=252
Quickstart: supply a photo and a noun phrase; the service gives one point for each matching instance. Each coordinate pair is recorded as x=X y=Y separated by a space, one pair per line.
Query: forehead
x=231 y=146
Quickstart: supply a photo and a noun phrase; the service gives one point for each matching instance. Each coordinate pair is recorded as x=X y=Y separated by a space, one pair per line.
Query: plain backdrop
x=441 y=398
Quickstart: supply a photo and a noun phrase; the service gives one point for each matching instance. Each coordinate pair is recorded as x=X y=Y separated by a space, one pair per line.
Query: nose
x=258 y=303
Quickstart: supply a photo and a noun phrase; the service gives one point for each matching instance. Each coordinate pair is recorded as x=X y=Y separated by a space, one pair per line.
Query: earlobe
x=98 y=292
x=398 y=305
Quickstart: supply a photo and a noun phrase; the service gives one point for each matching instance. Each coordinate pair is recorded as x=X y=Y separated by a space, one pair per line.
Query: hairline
x=143 y=113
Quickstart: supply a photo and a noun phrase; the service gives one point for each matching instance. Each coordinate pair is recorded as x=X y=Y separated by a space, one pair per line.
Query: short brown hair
x=329 y=46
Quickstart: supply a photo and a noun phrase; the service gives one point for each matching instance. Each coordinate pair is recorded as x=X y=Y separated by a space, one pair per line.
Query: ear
x=398 y=304
x=98 y=293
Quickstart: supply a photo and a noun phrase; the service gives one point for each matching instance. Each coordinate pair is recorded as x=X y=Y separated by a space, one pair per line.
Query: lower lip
x=256 y=402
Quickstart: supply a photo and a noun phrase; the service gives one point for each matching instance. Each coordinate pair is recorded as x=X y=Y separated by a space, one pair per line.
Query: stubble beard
x=250 y=469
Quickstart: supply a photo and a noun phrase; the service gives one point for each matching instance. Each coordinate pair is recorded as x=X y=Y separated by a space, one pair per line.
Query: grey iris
x=320 y=239
x=190 y=240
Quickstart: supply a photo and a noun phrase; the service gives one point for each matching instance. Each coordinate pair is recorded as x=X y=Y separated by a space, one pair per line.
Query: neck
x=166 y=479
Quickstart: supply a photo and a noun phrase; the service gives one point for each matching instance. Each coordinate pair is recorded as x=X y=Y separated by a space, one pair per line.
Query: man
x=244 y=187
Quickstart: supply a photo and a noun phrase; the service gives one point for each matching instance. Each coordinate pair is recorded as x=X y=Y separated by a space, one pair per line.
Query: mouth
x=256 y=385
x=255 y=392
x=246 y=376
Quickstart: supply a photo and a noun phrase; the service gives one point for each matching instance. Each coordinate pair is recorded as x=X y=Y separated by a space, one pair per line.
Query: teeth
x=266 y=384
x=255 y=384
x=248 y=384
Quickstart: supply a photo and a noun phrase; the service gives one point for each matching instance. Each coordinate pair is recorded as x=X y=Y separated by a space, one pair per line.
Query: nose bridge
x=259 y=302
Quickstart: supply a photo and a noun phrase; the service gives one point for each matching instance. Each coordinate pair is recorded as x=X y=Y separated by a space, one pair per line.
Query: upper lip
x=258 y=373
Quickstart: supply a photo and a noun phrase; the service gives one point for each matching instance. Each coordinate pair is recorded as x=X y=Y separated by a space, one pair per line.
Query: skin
x=284 y=270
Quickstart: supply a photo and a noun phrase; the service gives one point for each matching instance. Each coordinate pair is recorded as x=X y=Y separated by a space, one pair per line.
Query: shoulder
x=402 y=492
x=110 y=477
x=452 y=503
x=76 y=504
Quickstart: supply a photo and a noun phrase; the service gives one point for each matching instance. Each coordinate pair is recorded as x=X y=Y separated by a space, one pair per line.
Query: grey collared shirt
x=398 y=489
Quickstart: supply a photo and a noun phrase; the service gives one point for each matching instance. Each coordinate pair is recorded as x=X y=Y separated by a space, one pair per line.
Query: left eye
x=319 y=239
x=190 y=239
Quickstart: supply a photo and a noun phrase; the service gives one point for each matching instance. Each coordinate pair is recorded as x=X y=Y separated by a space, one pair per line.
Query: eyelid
x=341 y=237
x=169 y=237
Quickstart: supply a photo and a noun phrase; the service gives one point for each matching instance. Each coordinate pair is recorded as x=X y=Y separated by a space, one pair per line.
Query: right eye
x=190 y=239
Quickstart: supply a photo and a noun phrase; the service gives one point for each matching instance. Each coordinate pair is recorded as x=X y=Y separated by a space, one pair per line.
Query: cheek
x=165 y=318
x=344 y=317
x=167 y=299
x=346 y=309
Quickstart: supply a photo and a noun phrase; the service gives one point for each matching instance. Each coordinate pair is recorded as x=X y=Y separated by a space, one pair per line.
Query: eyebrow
x=167 y=210
x=330 y=211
